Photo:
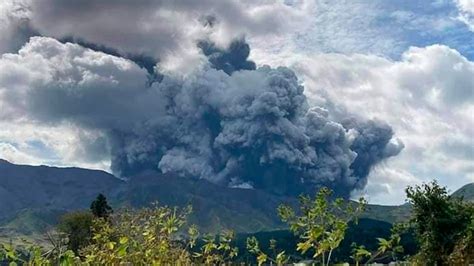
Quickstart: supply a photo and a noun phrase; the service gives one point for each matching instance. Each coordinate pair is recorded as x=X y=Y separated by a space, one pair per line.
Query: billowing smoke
x=253 y=128
x=373 y=143
x=229 y=60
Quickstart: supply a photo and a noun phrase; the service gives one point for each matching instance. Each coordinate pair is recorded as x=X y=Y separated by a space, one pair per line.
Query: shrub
x=442 y=223
x=141 y=237
x=77 y=226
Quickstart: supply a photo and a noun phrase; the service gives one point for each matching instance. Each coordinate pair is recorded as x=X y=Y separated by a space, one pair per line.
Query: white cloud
x=14 y=26
x=47 y=83
x=386 y=185
x=46 y=70
x=166 y=29
x=62 y=145
x=10 y=153
x=466 y=12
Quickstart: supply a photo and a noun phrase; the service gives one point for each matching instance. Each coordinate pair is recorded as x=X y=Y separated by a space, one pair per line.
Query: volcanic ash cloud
x=242 y=127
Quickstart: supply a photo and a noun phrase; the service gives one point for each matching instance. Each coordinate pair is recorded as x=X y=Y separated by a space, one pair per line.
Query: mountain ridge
x=33 y=197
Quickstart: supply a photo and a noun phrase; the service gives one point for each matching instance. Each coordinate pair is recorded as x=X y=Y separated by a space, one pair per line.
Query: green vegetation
x=278 y=258
x=321 y=224
x=321 y=228
x=443 y=225
x=77 y=227
x=100 y=208
x=139 y=237
x=212 y=252
x=389 y=248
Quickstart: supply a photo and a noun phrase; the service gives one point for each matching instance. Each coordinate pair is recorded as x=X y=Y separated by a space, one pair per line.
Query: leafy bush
x=443 y=225
x=77 y=226
x=140 y=237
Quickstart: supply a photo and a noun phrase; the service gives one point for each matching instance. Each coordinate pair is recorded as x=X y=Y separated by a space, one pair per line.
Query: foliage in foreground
x=77 y=227
x=143 y=237
x=278 y=258
x=321 y=223
x=387 y=248
x=444 y=228
x=148 y=236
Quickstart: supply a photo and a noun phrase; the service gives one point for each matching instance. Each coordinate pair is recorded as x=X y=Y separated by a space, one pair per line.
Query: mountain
x=214 y=207
x=32 y=198
x=42 y=187
x=389 y=214
x=466 y=192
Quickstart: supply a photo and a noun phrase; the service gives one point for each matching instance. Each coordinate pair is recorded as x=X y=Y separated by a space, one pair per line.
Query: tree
x=440 y=222
x=100 y=208
x=77 y=226
x=321 y=223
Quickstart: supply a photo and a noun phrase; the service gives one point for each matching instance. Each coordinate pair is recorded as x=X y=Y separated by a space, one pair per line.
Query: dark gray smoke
x=256 y=129
x=253 y=128
x=372 y=145
x=229 y=60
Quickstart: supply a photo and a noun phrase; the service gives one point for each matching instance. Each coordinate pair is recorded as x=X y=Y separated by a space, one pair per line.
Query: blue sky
x=385 y=28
